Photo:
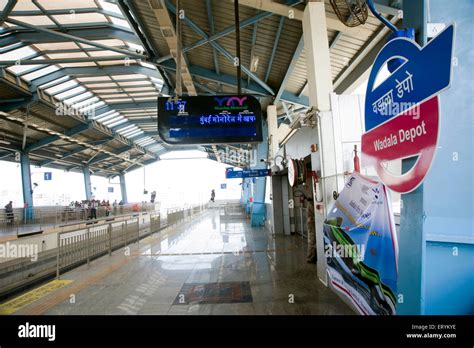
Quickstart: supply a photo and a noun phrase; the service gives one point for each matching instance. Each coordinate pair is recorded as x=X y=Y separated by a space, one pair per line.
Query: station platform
x=203 y=265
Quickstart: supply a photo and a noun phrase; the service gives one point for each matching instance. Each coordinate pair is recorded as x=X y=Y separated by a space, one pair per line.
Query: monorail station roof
x=244 y=158
x=79 y=79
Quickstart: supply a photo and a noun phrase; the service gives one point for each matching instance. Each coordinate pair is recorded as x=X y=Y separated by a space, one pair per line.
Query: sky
x=177 y=182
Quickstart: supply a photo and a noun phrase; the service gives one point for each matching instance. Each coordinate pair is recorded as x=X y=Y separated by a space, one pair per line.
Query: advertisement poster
x=360 y=245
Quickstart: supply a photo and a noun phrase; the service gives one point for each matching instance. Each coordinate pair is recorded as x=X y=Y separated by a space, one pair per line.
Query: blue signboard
x=425 y=72
x=210 y=120
x=48 y=176
x=248 y=173
x=402 y=114
x=223 y=186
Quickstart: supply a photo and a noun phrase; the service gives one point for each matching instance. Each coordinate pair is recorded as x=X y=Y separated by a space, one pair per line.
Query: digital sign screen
x=209 y=120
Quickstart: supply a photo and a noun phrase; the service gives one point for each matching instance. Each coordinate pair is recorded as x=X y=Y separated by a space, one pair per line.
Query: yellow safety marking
x=21 y=301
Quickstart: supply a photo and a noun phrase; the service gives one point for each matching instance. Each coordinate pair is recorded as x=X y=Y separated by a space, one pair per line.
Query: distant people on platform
x=153 y=196
x=9 y=213
x=213 y=195
x=89 y=207
x=93 y=209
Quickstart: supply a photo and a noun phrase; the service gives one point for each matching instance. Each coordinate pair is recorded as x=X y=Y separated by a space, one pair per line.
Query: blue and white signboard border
x=425 y=101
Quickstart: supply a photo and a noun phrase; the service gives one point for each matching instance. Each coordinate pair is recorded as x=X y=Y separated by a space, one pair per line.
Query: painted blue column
x=437 y=236
x=123 y=188
x=26 y=185
x=87 y=182
x=258 y=206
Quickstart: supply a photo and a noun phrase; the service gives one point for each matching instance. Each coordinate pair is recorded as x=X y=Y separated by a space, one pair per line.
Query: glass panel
x=72 y=65
x=116 y=123
x=115 y=62
x=19 y=53
x=86 y=102
x=34 y=20
x=64 y=85
x=77 y=18
x=109 y=7
x=41 y=72
x=92 y=85
x=132 y=83
x=70 y=92
x=120 y=22
x=105 y=53
x=94 y=78
x=76 y=98
x=58 y=5
x=109 y=42
x=103 y=118
x=67 y=55
x=56 y=46
x=105 y=91
x=146 y=98
x=24 y=5
x=128 y=77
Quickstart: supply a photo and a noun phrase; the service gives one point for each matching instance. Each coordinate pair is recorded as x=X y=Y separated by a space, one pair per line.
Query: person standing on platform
x=310 y=221
x=213 y=195
x=94 y=205
x=114 y=204
x=9 y=213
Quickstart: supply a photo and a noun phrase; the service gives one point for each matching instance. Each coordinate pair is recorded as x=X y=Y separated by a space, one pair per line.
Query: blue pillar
x=26 y=185
x=258 y=206
x=123 y=188
x=436 y=236
x=87 y=182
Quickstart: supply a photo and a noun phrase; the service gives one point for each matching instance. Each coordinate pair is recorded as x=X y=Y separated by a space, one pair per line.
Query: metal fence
x=80 y=246
x=37 y=219
x=77 y=247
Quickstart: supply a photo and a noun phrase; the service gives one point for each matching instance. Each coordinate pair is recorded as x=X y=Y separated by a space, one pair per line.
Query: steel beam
x=66 y=12
x=101 y=32
x=53 y=61
x=289 y=71
x=220 y=78
x=252 y=20
x=210 y=19
x=220 y=48
x=48 y=140
x=95 y=71
x=75 y=38
x=7 y=9
x=104 y=156
x=275 y=46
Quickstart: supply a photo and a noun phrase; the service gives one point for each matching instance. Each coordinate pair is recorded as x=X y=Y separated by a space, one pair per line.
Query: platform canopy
x=79 y=79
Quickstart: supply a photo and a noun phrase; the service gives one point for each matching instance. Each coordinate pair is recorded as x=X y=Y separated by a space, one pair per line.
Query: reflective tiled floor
x=148 y=278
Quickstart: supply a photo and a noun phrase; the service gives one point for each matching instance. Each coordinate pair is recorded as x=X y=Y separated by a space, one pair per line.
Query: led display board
x=209 y=120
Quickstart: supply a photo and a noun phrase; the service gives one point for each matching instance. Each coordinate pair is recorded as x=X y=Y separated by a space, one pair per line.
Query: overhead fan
x=350 y=12
x=355 y=12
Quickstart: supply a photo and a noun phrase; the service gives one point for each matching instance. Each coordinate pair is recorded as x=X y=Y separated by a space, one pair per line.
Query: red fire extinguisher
x=356 y=160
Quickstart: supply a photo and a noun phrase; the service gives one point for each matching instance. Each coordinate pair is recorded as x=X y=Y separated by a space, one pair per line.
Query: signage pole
x=237 y=44
x=412 y=243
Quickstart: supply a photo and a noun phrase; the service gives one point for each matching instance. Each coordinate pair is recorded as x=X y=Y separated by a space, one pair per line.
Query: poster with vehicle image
x=360 y=245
